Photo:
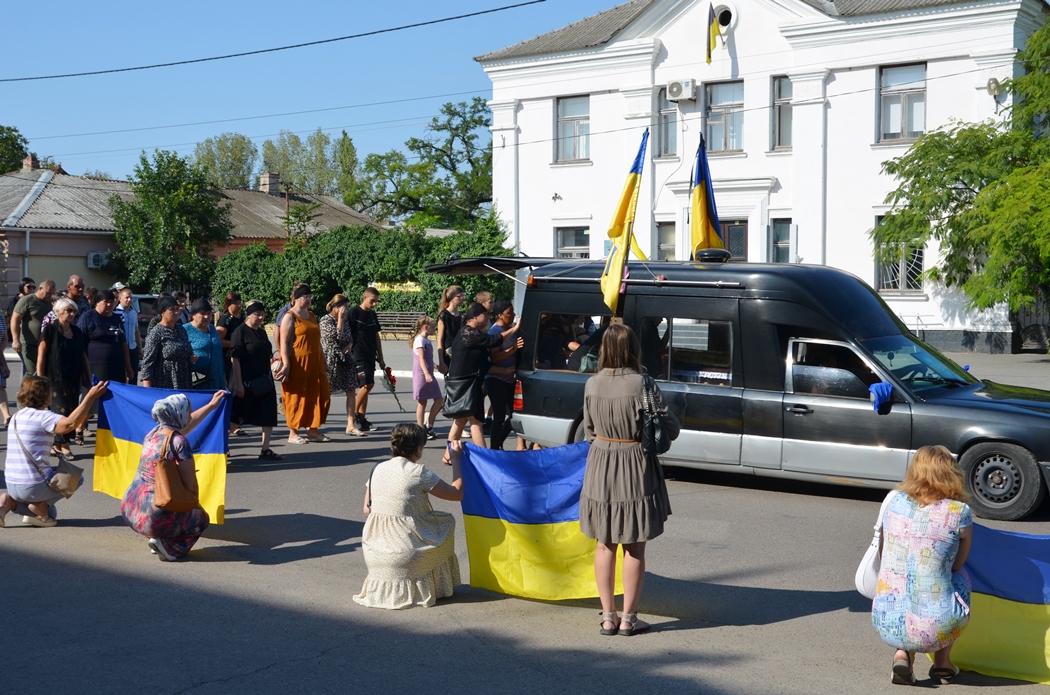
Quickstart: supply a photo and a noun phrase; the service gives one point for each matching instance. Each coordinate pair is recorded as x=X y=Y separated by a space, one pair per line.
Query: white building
x=801 y=104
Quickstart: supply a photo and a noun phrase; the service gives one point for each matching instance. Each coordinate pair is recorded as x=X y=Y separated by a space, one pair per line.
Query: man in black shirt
x=368 y=349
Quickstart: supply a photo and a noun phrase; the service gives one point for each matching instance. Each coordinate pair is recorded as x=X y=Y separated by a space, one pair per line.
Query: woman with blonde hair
x=449 y=322
x=337 y=343
x=922 y=602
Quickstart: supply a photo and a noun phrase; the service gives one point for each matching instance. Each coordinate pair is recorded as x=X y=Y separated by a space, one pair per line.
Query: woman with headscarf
x=171 y=534
x=208 y=370
x=304 y=384
x=252 y=384
x=167 y=356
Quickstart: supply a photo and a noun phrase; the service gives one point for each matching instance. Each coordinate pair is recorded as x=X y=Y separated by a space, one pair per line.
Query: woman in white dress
x=409 y=548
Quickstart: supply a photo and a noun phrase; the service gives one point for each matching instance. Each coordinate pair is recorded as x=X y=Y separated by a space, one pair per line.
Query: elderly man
x=27 y=320
x=75 y=291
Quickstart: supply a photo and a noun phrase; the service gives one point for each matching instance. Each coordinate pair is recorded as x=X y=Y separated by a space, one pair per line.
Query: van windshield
x=916 y=364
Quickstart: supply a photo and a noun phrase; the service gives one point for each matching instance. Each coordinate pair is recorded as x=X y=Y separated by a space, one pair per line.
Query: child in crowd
x=424 y=386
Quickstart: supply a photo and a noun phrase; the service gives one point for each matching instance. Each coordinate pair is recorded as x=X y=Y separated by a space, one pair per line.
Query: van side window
x=830 y=370
x=694 y=351
x=569 y=341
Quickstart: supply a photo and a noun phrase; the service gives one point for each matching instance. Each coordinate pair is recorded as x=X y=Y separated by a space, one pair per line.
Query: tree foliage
x=166 y=233
x=982 y=192
x=230 y=159
x=14 y=148
x=447 y=182
x=298 y=220
x=319 y=165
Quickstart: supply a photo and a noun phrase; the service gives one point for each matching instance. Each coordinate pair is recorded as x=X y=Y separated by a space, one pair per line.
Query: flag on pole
x=704 y=229
x=521 y=516
x=124 y=420
x=713 y=31
x=621 y=231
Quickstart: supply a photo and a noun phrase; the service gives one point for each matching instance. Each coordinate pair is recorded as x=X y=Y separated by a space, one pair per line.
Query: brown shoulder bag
x=169 y=493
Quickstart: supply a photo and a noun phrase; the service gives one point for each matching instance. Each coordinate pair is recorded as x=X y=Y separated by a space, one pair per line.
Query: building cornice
x=640 y=53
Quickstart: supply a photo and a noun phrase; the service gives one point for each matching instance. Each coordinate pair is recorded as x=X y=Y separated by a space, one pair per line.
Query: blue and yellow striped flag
x=1009 y=630
x=713 y=31
x=621 y=231
x=521 y=515
x=124 y=419
x=705 y=232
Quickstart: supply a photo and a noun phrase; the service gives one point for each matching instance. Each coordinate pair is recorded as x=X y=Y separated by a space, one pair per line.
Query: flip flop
x=944 y=675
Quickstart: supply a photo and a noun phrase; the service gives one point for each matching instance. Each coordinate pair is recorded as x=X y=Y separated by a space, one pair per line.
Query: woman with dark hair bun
x=167 y=356
x=209 y=373
x=409 y=548
x=624 y=499
x=107 y=347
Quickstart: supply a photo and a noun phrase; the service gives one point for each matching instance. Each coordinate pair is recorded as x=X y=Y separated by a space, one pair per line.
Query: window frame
x=903 y=95
x=723 y=111
x=662 y=248
x=779 y=105
x=666 y=122
x=903 y=266
x=725 y=225
x=789 y=373
x=775 y=245
x=576 y=137
x=705 y=378
x=575 y=250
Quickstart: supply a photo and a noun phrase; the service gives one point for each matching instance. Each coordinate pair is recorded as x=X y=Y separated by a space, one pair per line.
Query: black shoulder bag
x=654 y=436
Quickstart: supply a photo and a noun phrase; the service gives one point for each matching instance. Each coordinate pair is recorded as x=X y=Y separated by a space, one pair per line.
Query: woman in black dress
x=252 y=383
x=62 y=358
x=464 y=400
x=449 y=322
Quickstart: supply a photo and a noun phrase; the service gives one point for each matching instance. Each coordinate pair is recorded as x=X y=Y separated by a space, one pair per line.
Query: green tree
x=14 y=148
x=166 y=233
x=446 y=183
x=285 y=156
x=97 y=174
x=347 y=167
x=298 y=220
x=314 y=166
x=982 y=192
x=230 y=159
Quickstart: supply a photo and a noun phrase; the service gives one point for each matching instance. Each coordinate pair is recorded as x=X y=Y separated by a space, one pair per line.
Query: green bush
x=348 y=259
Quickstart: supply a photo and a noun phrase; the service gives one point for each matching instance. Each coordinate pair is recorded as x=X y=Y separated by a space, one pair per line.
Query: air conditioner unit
x=97 y=259
x=681 y=90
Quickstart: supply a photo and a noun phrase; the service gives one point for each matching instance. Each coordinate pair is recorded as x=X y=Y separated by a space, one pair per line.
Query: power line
x=375 y=32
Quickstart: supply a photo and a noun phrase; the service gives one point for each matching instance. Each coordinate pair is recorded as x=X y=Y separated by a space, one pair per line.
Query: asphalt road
x=750 y=591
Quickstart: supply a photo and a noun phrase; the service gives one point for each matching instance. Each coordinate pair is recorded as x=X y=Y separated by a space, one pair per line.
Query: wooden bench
x=398 y=323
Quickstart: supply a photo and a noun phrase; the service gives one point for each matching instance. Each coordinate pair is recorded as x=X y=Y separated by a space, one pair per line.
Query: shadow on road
x=279 y=538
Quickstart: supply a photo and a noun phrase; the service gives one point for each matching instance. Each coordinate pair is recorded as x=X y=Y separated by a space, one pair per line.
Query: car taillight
x=519 y=403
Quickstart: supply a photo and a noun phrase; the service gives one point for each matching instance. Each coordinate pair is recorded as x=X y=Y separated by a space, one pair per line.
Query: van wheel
x=579 y=434
x=1003 y=481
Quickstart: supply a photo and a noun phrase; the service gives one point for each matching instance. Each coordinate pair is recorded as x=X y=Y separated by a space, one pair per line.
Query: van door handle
x=799 y=410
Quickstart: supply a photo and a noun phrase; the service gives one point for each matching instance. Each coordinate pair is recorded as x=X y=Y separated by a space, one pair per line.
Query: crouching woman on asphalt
x=27 y=469
x=171 y=534
x=922 y=602
x=409 y=548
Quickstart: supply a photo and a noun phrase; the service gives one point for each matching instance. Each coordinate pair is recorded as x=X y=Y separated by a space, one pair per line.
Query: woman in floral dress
x=922 y=602
x=167 y=356
x=337 y=343
x=171 y=534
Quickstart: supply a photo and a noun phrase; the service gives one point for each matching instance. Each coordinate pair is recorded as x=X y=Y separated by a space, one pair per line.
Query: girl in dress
x=424 y=385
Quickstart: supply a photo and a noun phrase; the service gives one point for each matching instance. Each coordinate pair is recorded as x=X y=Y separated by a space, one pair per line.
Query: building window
x=734 y=238
x=781 y=113
x=666 y=126
x=573 y=242
x=574 y=129
x=725 y=117
x=903 y=273
x=665 y=241
x=903 y=109
x=688 y=350
x=780 y=241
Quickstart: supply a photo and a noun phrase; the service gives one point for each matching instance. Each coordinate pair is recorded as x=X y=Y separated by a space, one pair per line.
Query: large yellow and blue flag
x=621 y=231
x=124 y=419
x=521 y=515
x=713 y=31
x=704 y=229
x=1009 y=630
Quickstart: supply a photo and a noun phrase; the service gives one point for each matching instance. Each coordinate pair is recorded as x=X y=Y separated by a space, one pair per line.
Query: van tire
x=1003 y=480
x=579 y=434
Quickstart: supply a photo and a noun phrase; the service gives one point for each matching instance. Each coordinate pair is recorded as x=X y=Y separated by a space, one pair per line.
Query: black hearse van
x=767 y=366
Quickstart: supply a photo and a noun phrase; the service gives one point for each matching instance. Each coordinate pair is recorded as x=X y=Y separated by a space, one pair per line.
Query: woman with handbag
x=464 y=399
x=624 y=499
x=62 y=358
x=251 y=380
x=922 y=601
x=32 y=488
x=171 y=533
x=337 y=343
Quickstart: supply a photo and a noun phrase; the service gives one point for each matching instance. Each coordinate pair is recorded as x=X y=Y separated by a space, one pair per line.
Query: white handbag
x=867 y=577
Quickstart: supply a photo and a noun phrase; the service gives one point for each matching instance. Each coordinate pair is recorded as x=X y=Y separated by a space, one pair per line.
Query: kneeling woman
x=409 y=548
x=171 y=534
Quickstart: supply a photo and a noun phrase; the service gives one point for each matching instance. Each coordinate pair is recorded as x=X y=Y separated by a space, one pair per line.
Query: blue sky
x=63 y=36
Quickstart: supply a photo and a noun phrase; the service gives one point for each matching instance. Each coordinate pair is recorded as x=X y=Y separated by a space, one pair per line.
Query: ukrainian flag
x=124 y=419
x=704 y=229
x=621 y=231
x=521 y=515
x=1009 y=630
x=713 y=31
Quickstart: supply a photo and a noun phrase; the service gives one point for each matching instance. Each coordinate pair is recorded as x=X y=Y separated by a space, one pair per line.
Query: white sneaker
x=38 y=522
x=162 y=554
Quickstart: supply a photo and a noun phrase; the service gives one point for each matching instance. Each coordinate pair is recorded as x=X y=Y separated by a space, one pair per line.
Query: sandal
x=944 y=675
x=610 y=618
x=319 y=440
x=297 y=440
x=270 y=455
x=78 y=438
x=446 y=460
x=902 y=674
x=634 y=625
x=239 y=433
x=354 y=432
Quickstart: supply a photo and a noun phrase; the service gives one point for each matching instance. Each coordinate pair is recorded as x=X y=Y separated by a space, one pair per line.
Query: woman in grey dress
x=624 y=499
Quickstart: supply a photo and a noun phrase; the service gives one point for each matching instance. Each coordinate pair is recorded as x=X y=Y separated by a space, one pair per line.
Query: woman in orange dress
x=304 y=385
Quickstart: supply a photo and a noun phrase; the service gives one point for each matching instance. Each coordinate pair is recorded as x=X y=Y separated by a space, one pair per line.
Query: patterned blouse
x=342 y=375
x=166 y=358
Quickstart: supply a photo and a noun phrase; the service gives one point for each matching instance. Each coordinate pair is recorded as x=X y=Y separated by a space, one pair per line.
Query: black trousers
x=501 y=395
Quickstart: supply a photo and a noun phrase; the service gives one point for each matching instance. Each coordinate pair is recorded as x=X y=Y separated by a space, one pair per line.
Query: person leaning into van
x=922 y=602
x=624 y=499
